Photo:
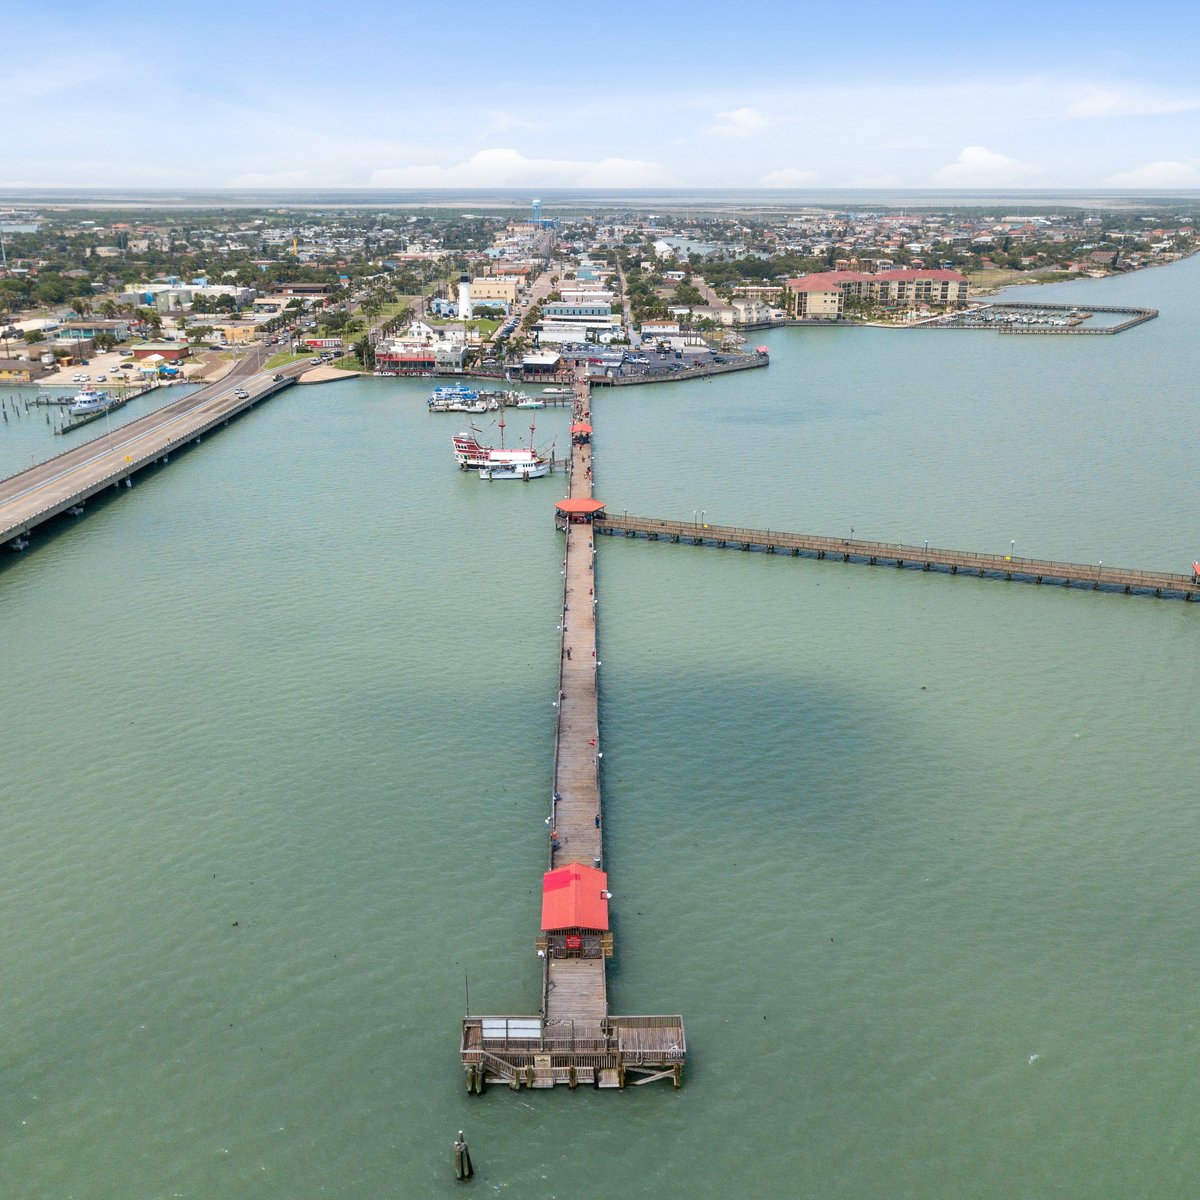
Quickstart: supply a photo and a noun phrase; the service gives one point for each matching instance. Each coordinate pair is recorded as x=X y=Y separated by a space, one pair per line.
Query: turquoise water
x=914 y=855
x=27 y=437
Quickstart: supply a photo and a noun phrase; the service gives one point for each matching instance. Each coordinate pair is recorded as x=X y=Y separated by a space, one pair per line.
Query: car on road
x=315 y=360
x=278 y=378
x=242 y=394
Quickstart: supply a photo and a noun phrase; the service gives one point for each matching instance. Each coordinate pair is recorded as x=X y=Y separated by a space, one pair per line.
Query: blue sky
x=366 y=94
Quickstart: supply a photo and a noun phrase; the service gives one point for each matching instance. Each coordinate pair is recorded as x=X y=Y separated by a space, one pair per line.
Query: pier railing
x=900 y=554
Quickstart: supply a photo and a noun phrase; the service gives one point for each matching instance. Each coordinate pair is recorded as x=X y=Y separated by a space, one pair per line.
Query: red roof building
x=574 y=897
x=579 y=511
x=823 y=296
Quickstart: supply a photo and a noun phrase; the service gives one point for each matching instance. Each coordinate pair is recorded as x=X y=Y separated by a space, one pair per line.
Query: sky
x=361 y=93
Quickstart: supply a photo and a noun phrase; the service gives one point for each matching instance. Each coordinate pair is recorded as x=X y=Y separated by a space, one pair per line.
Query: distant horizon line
x=519 y=196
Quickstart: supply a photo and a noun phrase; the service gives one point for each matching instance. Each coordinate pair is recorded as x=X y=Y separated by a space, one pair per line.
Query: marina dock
x=573 y=1039
x=1094 y=576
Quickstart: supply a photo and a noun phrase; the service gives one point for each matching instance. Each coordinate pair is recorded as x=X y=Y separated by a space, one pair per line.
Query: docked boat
x=472 y=455
x=459 y=398
x=88 y=400
x=529 y=402
x=521 y=470
x=463 y=406
x=557 y=391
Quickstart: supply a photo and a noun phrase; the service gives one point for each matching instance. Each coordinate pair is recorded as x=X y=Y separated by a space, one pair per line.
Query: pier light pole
x=1012 y=547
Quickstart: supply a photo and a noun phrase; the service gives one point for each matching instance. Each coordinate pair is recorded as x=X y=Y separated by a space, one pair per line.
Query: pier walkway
x=1095 y=576
x=575 y=987
x=65 y=481
x=574 y=1039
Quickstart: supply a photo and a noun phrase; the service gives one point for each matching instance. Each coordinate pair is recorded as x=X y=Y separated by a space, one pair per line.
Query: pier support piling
x=463 y=1170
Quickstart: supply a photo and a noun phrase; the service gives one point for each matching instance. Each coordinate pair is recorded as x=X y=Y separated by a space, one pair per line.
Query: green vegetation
x=285 y=359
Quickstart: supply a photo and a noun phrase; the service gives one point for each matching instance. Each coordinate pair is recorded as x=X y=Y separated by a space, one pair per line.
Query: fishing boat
x=463 y=406
x=557 y=391
x=88 y=400
x=458 y=398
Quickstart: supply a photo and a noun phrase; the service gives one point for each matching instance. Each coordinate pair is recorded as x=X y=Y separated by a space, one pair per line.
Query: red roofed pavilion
x=579 y=510
x=575 y=912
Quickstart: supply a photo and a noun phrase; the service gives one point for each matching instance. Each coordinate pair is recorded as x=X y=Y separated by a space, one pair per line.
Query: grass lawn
x=285 y=359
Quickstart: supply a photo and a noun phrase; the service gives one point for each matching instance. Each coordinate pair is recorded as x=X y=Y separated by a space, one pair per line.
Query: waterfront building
x=422 y=349
x=594 y=316
x=165 y=351
x=824 y=296
x=21 y=370
x=91 y=329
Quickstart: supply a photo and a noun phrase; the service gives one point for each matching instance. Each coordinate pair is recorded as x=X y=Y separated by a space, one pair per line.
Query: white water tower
x=464 y=298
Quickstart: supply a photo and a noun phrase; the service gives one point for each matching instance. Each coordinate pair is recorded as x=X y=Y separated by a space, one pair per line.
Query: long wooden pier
x=63 y=483
x=573 y=1039
x=1095 y=576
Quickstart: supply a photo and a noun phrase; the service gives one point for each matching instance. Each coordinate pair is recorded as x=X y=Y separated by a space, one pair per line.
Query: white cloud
x=741 y=122
x=1165 y=173
x=500 y=121
x=977 y=166
x=1093 y=101
x=511 y=168
x=787 y=177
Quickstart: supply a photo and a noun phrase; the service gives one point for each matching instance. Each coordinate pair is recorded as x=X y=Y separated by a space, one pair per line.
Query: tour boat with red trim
x=472 y=455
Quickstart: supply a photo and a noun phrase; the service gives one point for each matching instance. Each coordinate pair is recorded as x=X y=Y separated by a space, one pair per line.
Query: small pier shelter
x=575 y=913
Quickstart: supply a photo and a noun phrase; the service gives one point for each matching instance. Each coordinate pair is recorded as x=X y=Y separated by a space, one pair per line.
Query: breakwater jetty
x=1093 y=576
x=1021 y=317
x=573 y=1039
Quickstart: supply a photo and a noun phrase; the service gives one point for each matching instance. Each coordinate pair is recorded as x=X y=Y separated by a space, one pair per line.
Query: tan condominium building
x=824 y=296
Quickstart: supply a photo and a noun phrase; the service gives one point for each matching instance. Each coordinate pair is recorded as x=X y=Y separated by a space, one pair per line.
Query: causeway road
x=33 y=496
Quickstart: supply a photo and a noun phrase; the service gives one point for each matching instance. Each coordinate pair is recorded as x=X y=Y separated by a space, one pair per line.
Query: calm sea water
x=915 y=856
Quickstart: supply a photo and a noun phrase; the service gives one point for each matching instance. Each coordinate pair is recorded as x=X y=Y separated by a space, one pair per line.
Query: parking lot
x=649 y=361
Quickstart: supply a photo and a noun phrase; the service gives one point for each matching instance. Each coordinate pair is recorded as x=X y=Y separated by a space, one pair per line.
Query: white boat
x=472 y=455
x=527 y=402
x=523 y=470
x=479 y=405
x=557 y=391
x=88 y=400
